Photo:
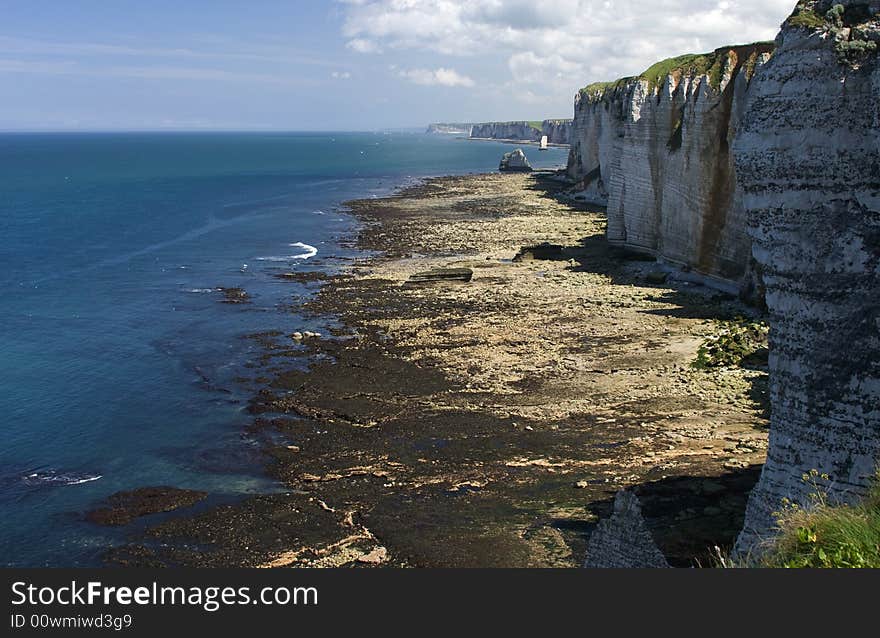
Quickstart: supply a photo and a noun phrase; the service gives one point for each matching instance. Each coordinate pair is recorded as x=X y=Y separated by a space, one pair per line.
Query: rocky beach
x=488 y=420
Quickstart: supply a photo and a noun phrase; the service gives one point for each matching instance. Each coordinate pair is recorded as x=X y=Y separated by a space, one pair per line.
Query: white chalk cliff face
x=557 y=131
x=656 y=150
x=506 y=131
x=774 y=170
x=807 y=158
x=447 y=128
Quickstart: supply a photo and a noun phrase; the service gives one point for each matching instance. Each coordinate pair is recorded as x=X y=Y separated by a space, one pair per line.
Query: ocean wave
x=308 y=252
x=203 y=290
x=54 y=477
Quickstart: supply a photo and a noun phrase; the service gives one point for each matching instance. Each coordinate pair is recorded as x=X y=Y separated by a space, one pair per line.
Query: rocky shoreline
x=489 y=420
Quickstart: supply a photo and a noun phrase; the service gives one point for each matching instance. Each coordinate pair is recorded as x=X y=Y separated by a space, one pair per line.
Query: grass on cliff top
x=826 y=14
x=597 y=89
x=698 y=63
x=824 y=535
x=711 y=64
x=806 y=19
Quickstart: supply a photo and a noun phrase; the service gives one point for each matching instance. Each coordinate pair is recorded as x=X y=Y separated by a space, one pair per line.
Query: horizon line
x=207 y=130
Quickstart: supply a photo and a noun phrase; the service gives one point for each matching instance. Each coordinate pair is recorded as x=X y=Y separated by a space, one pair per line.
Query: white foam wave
x=308 y=252
x=58 y=478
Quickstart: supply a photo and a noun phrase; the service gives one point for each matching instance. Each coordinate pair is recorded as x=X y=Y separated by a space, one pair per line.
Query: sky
x=343 y=65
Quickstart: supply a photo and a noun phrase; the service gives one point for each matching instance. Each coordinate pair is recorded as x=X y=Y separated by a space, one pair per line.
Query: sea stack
x=515 y=161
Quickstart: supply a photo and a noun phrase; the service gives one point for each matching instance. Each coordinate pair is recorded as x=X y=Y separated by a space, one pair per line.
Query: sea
x=120 y=363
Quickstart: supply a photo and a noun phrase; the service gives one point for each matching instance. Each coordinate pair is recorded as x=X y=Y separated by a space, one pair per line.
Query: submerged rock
x=235 y=295
x=624 y=541
x=515 y=161
x=123 y=507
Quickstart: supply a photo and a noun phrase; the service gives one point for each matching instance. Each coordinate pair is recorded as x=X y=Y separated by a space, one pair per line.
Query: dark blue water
x=117 y=358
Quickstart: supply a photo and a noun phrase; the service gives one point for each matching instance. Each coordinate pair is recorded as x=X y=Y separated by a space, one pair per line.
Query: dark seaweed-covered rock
x=123 y=507
x=235 y=295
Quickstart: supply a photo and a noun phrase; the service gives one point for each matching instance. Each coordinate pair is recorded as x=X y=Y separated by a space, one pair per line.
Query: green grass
x=598 y=89
x=806 y=19
x=656 y=74
x=826 y=536
x=712 y=64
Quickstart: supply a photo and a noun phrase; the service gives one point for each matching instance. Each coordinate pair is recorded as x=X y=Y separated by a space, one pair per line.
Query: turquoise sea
x=118 y=358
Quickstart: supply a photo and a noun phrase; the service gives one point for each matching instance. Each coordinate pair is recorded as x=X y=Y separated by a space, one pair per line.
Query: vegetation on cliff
x=824 y=535
x=714 y=65
x=855 y=27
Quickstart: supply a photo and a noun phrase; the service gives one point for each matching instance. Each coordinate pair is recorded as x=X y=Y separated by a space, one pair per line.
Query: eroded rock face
x=623 y=541
x=808 y=163
x=656 y=151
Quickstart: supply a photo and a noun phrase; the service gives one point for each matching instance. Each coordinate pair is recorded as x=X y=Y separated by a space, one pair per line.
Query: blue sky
x=344 y=65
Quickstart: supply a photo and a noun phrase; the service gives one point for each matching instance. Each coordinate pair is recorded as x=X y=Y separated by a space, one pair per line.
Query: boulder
x=515 y=161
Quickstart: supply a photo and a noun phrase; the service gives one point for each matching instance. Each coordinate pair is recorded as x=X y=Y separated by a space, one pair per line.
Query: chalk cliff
x=807 y=160
x=655 y=149
x=448 y=128
x=557 y=131
x=521 y=131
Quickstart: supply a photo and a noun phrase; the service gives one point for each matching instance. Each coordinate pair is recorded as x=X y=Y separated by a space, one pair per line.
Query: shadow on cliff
x=689 y=516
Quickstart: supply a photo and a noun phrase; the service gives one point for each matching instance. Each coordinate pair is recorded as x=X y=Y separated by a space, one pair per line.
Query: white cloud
x=436 y=77
x=363 y=46
x=559 y=45
x=340 y=75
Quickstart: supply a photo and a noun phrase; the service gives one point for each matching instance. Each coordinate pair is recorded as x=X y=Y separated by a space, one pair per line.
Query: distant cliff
x=808 y=163
x=557 y=131
x=446 y=128
x=655 y=149
x=525 y=131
